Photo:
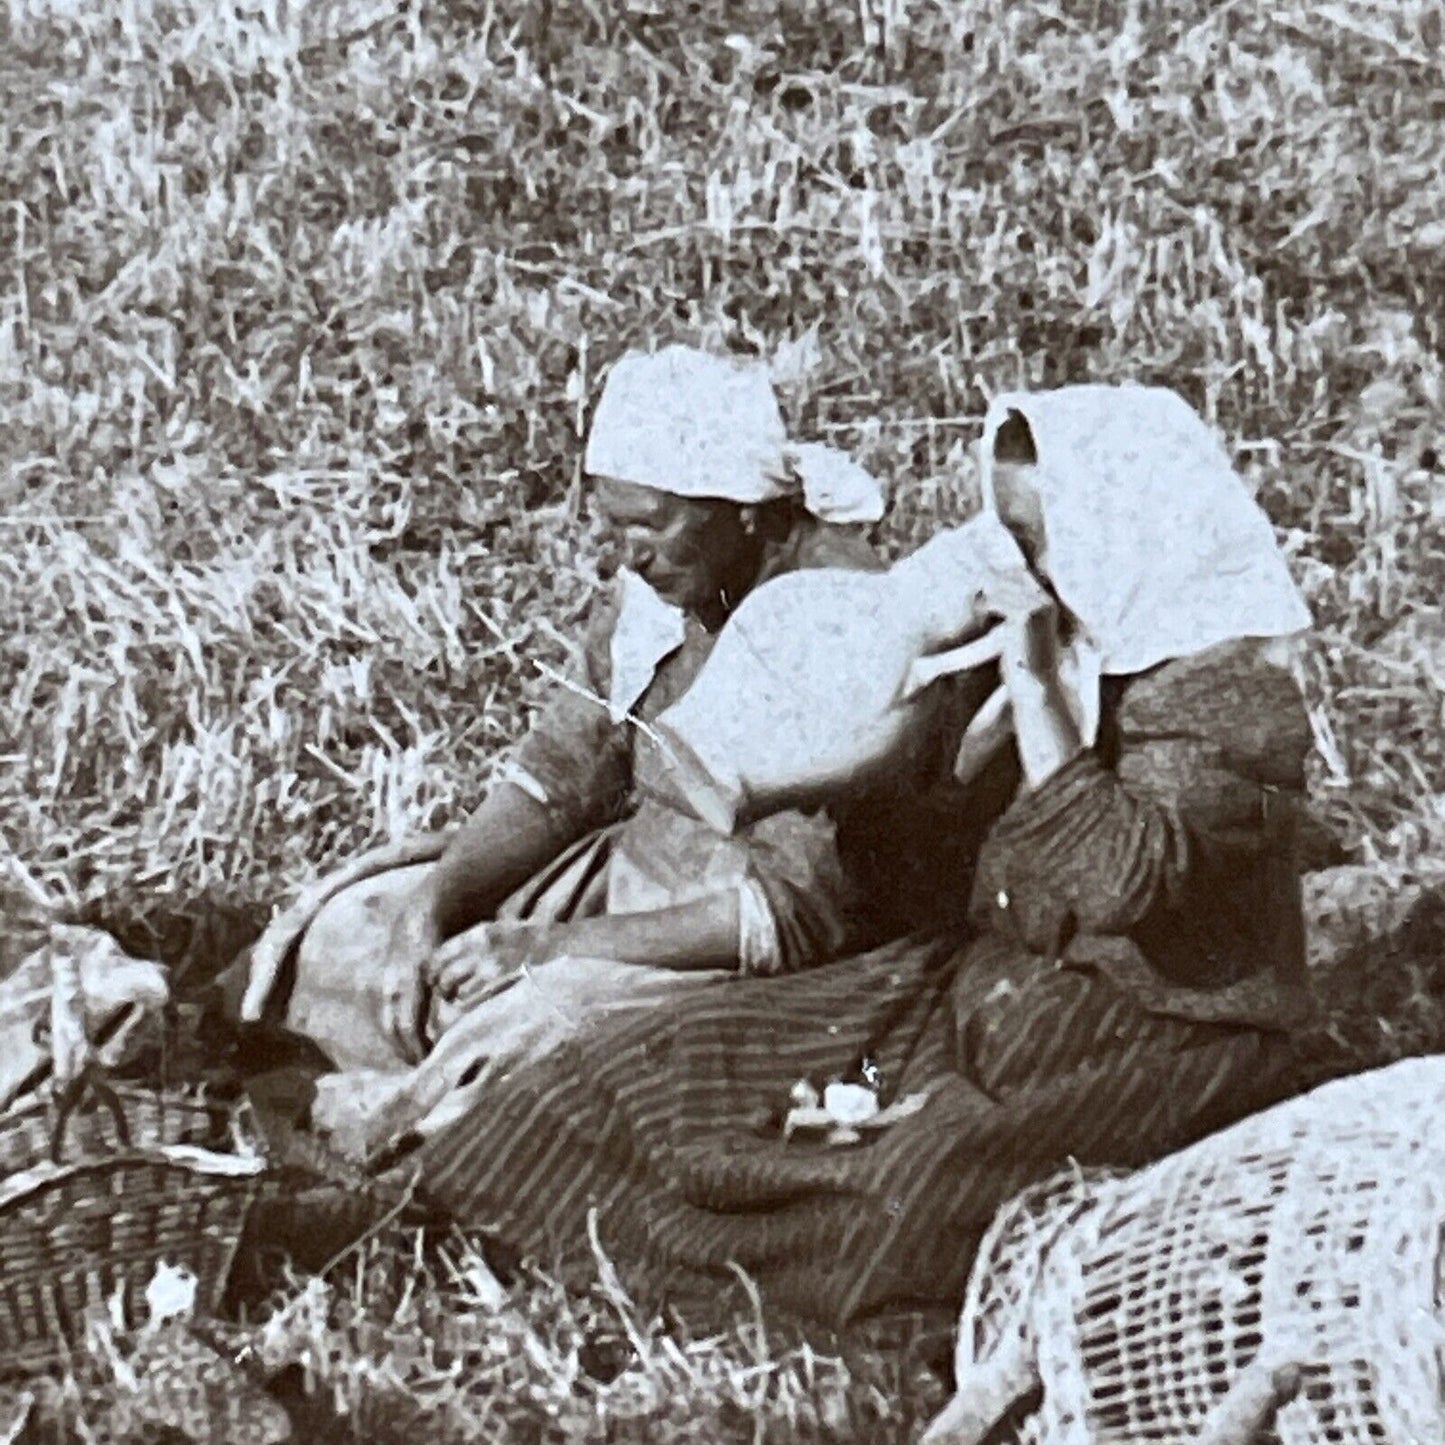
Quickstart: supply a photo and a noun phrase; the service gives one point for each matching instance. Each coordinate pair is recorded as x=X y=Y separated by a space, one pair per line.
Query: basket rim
x=41 y=1098
x=203 y=1163
x=239 y=1113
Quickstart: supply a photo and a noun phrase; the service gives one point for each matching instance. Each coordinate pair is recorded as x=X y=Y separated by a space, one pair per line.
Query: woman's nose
x=613 y=547
x=602 y=541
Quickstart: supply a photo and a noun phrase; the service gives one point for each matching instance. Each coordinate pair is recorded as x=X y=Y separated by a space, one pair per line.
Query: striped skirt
x=662 y=1129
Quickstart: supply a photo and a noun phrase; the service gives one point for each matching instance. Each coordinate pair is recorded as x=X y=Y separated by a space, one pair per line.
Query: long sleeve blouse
x=592 y=771
x=1165 y=856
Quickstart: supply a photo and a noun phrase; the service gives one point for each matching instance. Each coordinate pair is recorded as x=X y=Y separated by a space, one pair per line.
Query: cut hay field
x=303 y=304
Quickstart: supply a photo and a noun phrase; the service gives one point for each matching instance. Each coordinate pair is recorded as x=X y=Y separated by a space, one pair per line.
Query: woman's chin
x=681 y=592
x=665 y=583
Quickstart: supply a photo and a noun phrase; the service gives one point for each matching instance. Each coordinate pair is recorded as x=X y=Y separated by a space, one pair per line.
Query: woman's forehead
x=632 y=502
x=1015 y=488
x=618 y=498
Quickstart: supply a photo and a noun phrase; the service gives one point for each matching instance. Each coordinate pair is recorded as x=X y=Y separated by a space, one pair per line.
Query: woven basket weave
x=97 y=1190
x=153 y=1118
x=1283 y=1280
x=74 y=1233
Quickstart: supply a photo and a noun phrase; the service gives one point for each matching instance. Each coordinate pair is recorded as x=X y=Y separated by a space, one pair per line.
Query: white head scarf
x=698 y=425
x=694 y=424
x=1152 y=540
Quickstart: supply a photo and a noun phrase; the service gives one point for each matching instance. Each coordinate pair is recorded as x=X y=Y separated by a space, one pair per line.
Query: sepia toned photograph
x=722 y=723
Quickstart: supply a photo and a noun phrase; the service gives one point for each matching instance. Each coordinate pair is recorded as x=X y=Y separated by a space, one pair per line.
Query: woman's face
x=689 y=550
x=1021 y=509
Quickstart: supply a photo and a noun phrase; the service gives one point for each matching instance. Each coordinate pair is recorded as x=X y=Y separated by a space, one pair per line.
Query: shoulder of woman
x=602 y=614
x=1242 y=695
x=595 y=643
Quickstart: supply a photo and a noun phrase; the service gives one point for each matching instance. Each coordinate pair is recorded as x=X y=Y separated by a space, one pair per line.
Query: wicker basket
x=74 y=1233
x=99 y=1185
x=1282 y=1280
x=153 y=1118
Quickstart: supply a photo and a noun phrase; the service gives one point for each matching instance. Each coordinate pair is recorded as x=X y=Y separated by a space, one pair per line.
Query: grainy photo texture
x=722 y=722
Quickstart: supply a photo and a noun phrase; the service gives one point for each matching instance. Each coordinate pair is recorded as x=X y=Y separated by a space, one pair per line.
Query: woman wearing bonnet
x=1131 y=975
x=581 y=882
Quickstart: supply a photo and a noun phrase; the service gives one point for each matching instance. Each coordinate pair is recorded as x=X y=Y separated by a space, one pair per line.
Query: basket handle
x=69 y=1100
x=75 y=1065
x=70 y=1047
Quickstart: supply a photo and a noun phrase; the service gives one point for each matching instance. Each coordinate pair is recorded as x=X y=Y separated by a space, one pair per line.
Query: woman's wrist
x=702 y=934
x=1047 y=735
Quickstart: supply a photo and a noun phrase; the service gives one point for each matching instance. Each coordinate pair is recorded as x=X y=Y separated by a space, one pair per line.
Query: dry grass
x=302 y=304
x=397 y=1347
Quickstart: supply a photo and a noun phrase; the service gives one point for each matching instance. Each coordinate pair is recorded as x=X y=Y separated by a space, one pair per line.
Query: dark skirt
x=663 y=1132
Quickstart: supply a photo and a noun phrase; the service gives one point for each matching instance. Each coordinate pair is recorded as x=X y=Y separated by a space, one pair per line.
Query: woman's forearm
x=502 y=845
x=698 y=935
x=1044 y=728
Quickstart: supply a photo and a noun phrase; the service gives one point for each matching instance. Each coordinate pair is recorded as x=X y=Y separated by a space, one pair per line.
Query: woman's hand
x=413 y=937
x=1044 y=727
x=467 y=965
x=1031 y=647
x=1027 y=642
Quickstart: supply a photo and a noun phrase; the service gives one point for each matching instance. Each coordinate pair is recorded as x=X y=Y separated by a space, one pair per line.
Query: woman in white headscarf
x=582 y=881
x=1130 y=978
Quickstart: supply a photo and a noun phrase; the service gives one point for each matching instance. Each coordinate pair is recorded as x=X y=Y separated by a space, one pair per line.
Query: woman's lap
x=661 y=1113
x=658 y=1124
x=1093 y=1067
x=336 y=997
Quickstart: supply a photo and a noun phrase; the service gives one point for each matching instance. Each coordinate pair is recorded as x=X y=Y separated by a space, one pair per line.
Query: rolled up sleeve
x=575 y=760
x=799 y=895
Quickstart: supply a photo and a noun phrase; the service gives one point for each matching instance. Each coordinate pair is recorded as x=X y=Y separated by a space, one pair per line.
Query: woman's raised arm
x=1099 y=845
